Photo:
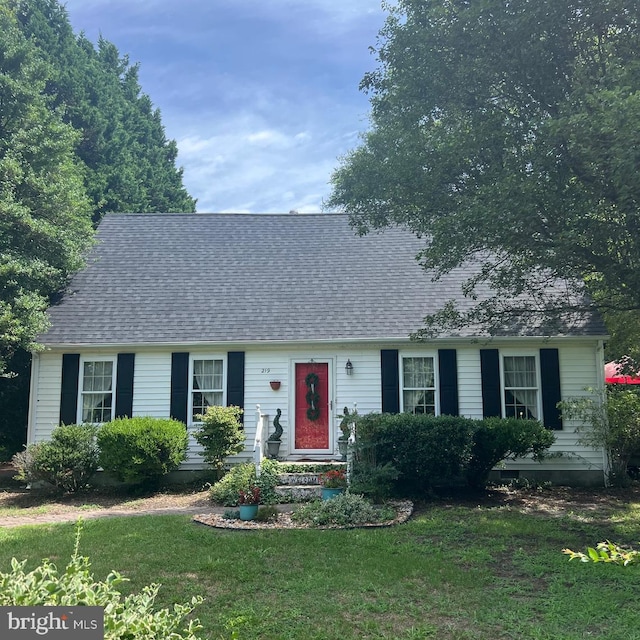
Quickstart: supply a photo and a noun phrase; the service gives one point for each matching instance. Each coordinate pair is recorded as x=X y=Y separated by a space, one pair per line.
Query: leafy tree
x=45 y=219
x=127 y=165
x=130 y=163
x=506 y=132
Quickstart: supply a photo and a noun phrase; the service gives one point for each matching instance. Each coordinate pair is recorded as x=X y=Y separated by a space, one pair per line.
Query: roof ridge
x=225 y=213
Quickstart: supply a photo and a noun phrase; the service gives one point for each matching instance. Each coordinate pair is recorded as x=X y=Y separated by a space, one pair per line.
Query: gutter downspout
x=33 y=400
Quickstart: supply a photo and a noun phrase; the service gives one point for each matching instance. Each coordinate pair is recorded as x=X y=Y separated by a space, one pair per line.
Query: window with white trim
x=207 y=380
x=418 y=385
x=96 y=391
x=520 y=384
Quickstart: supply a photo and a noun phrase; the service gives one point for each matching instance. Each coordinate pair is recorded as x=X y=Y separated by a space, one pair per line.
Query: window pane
x=418 y=381
x=418 y=373
x=96 y=407
x=521 y=403
x=520 y=371
x=207 y=375
x=98 y=376
x=419 y=402
x=97 y=386
x=203 y=400
x=206 y=386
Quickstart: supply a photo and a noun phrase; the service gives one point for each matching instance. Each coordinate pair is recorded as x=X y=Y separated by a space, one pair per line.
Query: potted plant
x=248 y=502
x=333 y=483
x=273 y=441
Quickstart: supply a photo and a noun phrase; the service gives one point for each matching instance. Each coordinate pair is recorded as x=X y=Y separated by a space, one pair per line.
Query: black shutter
x=124 y=385
x=390 y=381
x=235 y=378
x=550 y=377
x=69 y=392
x=448 y=374
x=490 y=374
x=179 y=386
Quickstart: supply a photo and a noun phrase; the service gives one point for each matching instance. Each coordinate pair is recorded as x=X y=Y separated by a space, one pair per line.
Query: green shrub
x=268 y=481
x=498 y=439
x=67 y=462
x=220 y=434
x=613 y=423
x=309 y=467
x=425 y=451
x=374 y=481
x=240 y=478
x=132 y=617
x=410 y=455
x=346 y=509
x=267 y=513
x=142 y=449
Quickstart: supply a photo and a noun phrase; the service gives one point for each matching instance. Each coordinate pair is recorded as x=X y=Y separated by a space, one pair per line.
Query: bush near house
x=220 y=434
x=499 y=439
x=613 y=419
x=142 y=449
x=67 y=462
x=241 y=477
x=414 y=454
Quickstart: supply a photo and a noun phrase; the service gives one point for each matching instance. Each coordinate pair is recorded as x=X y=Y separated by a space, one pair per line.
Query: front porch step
x=299 y=493
x=298 y=479
x=298 y=487
x=302 y=486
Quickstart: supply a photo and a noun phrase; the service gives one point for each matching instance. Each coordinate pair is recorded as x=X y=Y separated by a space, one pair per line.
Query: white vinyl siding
x=152 y=384
x=579 y=363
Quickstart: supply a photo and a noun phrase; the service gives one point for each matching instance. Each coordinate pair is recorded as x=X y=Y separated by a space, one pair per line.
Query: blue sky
x=260 y=95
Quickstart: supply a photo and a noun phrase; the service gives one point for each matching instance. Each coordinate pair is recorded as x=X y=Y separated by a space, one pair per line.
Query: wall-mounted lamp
x=348 y=368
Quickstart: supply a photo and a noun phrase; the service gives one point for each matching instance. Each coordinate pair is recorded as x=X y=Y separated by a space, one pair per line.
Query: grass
x=453 y=572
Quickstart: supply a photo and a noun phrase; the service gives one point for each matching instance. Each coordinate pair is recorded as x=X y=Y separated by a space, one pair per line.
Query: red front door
x=312 y=405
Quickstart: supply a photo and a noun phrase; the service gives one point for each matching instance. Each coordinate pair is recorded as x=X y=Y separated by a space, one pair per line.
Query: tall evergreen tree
x=44 y=212
x=73 y=122
x=45 y=215
x=130 y=162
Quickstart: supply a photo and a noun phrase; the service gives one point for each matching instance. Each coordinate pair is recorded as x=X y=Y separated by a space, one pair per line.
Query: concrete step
x=298 y=479
x=299 y=493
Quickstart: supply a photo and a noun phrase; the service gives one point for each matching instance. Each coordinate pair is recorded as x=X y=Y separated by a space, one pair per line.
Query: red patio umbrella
x=612 y=375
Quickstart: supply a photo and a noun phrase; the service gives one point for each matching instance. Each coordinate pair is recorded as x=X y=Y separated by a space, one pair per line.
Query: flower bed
x=403 y=510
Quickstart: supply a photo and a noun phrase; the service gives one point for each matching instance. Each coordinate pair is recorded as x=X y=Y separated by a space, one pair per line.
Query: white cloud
x=261 y=96
x=240 y=166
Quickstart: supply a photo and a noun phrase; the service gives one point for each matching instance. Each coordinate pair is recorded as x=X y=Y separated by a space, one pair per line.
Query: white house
x=178 y=311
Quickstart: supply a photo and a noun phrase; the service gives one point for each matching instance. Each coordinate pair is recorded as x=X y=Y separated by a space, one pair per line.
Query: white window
x=207 y=385
x=520 y=384
x=418 y=385
x=97 y=390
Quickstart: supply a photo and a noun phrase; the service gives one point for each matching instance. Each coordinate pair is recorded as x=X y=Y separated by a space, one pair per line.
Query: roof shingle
x=193 y=278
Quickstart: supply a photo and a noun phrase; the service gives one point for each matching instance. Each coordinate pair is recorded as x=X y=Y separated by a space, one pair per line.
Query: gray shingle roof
x=185 y=278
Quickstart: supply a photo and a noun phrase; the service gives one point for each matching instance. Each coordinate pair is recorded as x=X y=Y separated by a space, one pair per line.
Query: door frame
x=330 y=362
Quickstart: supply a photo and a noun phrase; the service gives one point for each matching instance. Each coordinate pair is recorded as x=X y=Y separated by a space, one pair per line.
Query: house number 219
x=266 y=371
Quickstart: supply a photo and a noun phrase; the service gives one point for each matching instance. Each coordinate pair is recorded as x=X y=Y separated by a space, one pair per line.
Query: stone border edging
x=404 y=510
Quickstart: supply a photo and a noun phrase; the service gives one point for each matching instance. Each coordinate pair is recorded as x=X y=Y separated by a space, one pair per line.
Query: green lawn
x=452 y=572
